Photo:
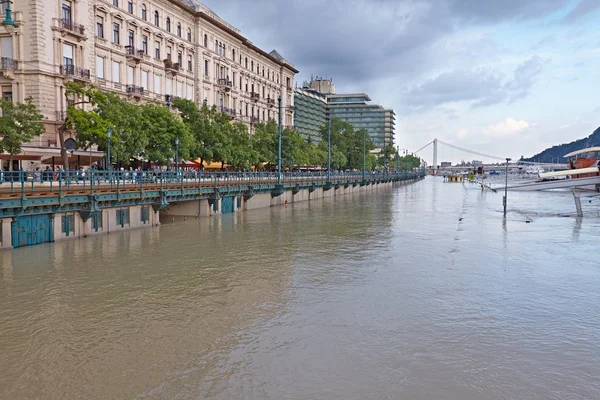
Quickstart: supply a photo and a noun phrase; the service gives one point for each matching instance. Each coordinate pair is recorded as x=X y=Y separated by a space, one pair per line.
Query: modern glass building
x=317 y=100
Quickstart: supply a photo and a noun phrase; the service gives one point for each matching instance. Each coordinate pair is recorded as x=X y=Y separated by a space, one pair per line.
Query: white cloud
x=462 y=133
x=508 y=127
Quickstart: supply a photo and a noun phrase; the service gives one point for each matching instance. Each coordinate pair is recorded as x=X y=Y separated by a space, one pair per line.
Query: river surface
x=418 y=292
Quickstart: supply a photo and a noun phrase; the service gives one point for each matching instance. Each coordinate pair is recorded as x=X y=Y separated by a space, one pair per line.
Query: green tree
x=19 y=124
x=264 y=143
x=346 y=145
x=162 y=127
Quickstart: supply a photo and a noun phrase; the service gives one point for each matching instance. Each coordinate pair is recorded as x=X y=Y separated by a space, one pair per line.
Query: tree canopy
x=19 y=124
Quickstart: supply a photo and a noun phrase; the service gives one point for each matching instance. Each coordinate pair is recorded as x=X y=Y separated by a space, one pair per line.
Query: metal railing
x=228 y=111
x=254 y=96
x=224 y=82
x=71 y=26
x=132 y=89
x=49 y=181
x=8 y=63
x=132 y=51
x=76 y=72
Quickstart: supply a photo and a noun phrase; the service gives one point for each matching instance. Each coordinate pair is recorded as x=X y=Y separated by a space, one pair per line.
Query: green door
x=30 y=230
x=227 y=205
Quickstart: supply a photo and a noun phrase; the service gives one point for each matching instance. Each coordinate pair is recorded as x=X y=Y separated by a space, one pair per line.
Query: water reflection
x=421 y=292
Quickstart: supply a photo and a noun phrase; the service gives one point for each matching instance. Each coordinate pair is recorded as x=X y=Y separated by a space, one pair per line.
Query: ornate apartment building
x=145 y=50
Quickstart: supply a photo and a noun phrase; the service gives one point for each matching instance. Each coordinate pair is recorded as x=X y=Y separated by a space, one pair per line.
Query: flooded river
x=419 y=292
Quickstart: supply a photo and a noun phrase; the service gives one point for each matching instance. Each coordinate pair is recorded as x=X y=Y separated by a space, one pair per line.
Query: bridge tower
x=435 y=155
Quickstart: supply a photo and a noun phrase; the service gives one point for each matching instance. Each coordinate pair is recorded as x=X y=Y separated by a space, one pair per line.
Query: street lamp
x=177 y=156
x=506 y=186
x=8 y=23
x=364 y=154
x=329 y=149
x=108 y=159
x=279 y=143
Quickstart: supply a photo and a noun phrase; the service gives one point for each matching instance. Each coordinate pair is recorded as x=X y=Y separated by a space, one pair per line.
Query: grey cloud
x=480 y=87
x=582 y=9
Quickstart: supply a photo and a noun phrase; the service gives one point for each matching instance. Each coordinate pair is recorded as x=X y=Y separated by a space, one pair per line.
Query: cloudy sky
x=502 y=77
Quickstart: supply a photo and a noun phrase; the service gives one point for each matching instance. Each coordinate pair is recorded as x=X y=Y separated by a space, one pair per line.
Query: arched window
x=156 y=18
x=168 y=24
x=189 y=36
x=205 y=40
x=144 y=12
x=178 y=29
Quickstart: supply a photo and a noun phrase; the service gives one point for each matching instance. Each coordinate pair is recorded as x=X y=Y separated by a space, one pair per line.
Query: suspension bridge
x=446 y=151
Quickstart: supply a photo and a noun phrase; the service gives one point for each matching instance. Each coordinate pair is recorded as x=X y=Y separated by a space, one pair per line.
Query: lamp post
x=364 y=154
x=279 y=142
x=177 y=156
x=108 y=159
x=329 y=149
x=8 y=23
x=506 y=186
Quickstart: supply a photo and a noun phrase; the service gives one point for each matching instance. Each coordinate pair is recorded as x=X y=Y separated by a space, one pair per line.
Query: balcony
x=254 y=96
x=172 y=67
x=68 y=27
x=133 y=54
x=7 y=67
x=228 y=111
x=254 y=120
x=134 y=91
x=270 y=102
x=71 y=71
x=61 y=116
x=224 y=83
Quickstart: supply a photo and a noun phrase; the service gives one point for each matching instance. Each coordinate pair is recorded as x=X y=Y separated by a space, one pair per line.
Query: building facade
x=145 y=50
x=317 y=100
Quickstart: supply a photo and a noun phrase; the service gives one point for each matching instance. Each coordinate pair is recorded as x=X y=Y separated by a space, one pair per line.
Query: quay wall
x=26 y=230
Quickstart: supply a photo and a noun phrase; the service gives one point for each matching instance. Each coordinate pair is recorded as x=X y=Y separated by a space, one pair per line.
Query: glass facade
x=310 y=113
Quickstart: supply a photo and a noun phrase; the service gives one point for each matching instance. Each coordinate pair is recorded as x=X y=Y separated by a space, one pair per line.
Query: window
x=216 y=46
x=157 y=84
x=263 y=115
x=100 y=27
x=157 y=50
x=122 y=217
x=130 y=75
x=100 y=67
x=145 y=44
x=190 y=63
x=252 y=66
x=156 y=18
x=205 y=67
x=180 y=59
x=144 y=82
x=116 y=33
x=145 y=214
x=131 y=38
x=67 y=54
x=169 y=52
x=205 y=41
x=179 y=29
x=190 y=92
x=116 y=72
x=97 y=220
x=233 y=54
x=233 y=79
x=263 y=71
x=240 y=83
x=189 y=35
x=169 y=89
x=168 y=24
x=144 y=15
x=130 y=7
x=180 y=89
x=68 y=224
x=246 y=62
x=246 y=86
x=66 y=11
x=116 y=3
x=224 y=50
x=6 y=46
x=246 y=109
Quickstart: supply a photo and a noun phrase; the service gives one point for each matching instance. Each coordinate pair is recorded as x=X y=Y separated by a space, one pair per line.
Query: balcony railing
x=8 y=64
x=229 y=111
x=171 y=66
x=61 y=116
x=71 y=26
x=134 y=53
x=254 y=120
x=270 y=102
x=135 y=90
x=254 y=96
x=224 y=82
x=75 y=72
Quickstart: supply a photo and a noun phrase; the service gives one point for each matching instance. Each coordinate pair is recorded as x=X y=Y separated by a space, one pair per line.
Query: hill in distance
x=557 y=152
